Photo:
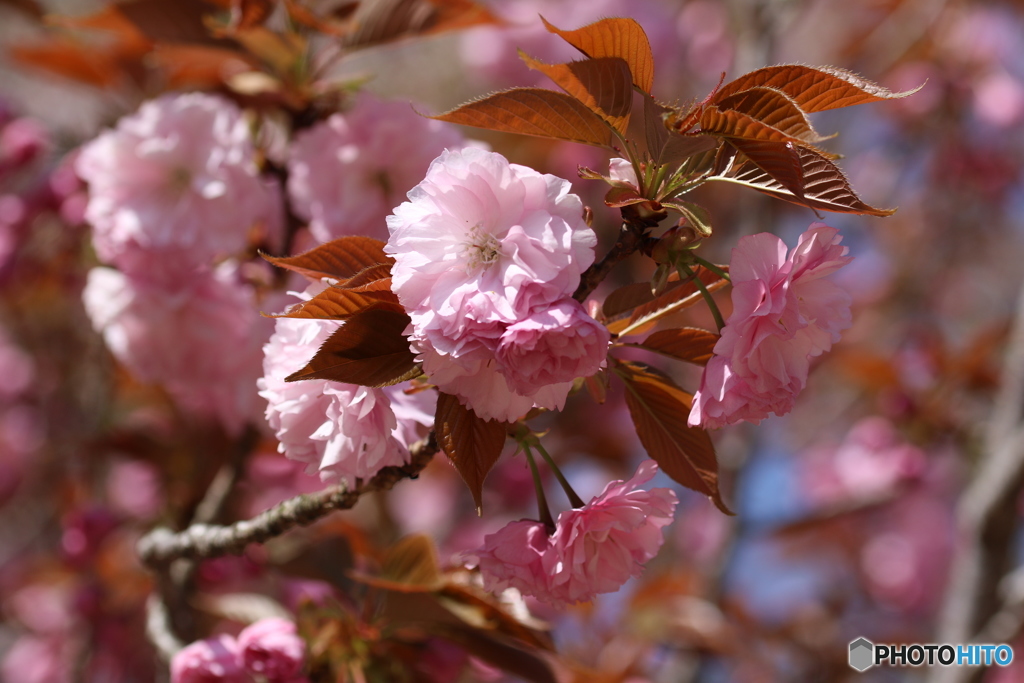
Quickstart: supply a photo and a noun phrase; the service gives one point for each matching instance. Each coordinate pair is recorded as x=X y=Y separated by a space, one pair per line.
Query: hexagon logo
x=862 y=654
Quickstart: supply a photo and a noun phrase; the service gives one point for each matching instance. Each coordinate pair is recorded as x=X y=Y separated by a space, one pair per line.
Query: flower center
x=481 y=249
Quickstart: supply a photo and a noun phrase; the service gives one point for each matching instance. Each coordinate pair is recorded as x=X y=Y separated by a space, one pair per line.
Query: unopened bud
x=674 y=243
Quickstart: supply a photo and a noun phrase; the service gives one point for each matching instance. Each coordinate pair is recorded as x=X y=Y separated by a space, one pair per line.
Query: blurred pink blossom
x=179 y=177
x=34 y=659
x=22 y=141
x=342 y=431
x=594 y=549
x=17 y=369
x=784 y=314
x=272 y=649
x=214 y=660
x=348 y=172
x=872 y=459
x=480 y=245
x=134 y=489
x=199 y=335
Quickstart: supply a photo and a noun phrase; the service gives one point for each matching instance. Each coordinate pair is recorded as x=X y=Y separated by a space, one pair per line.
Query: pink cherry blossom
x=346 y=173
x=199 y=336
x=594 y=549
x=552 y=346
x=178 y=176
x=784 y=313
x=214 y=660
x=597 y=548
x=513 y=557
x=272 y=648
x=480 y=245
x=343 y=431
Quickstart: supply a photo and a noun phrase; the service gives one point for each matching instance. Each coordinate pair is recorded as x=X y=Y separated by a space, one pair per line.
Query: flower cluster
x=177 y=179
x=487 y=256
x=172 y=189
x=346 y=173
x=594 y=549
x=344 y=431
x=784 y=313
x=269 y=650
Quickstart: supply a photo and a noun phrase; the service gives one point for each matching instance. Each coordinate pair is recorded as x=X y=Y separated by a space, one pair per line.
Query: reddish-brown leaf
x=690 y=344
x=69 y=59
x=659 y=410
x=617 y=197
x=380 y=21
x=199 y=66
x=604 y=85
x=471 y=443
x=533 y=111
x=368 y=349
x=813 y=88
x=773 y=108
x=623 y=38
x=372 y=279
x=340 y=303
x=780 y=160
x=824 y=185
x=180 y=21
x=339 y=259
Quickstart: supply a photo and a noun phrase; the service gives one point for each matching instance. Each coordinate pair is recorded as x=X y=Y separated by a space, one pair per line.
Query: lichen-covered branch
x=199 y=541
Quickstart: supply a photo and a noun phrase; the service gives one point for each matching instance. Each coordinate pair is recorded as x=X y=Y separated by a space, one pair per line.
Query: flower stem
x=711 y=266
x=574 y=499
x=686 y=271
x=542 y=501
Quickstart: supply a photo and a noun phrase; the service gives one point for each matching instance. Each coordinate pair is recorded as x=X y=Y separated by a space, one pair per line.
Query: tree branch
x=987 y=516
x=162 y=546
x=631 y=236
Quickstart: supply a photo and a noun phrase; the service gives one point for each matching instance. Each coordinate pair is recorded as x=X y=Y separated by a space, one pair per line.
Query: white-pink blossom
x=482 y=244
x=784 y=313
x=179 y=177
x=343 y=431
x=346 y=173
x=594 y=549
x=199 y=336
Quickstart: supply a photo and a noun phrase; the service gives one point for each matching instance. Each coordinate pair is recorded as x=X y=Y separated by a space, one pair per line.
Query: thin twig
x=631 y=235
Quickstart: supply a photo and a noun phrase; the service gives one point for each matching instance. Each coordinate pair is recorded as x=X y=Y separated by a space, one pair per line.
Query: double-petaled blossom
x=200 y=336
x=594 y=549
x=178 y=177
x=784 y=314
x=343 y=431
x=346 y=173
x=482 y=246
